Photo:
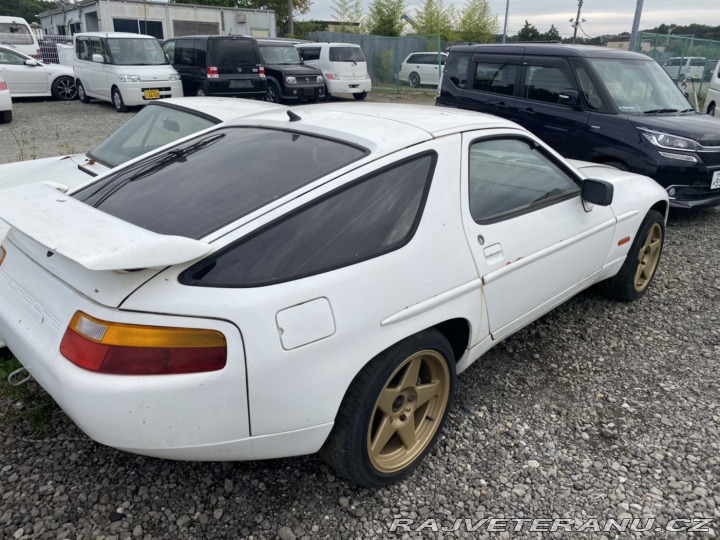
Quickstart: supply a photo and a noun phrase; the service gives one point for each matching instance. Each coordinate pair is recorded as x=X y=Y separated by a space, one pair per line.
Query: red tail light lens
x=126 y=349
x=332 y=76
x=212 y=72
x=262 y=71
x=3 y=85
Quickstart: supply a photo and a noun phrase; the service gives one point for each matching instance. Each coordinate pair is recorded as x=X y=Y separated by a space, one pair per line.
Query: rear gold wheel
x=648 y=257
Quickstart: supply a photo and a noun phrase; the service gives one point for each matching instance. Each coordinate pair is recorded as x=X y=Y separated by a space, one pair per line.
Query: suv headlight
x=671 y=142
x=129 y=78
x=174 y=77
x=290 y=80
x=319 y=79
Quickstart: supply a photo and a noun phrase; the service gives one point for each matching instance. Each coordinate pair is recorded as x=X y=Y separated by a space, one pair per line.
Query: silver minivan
x=123 y=68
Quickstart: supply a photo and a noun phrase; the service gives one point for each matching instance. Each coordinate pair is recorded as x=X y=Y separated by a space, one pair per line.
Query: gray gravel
x=598 y=410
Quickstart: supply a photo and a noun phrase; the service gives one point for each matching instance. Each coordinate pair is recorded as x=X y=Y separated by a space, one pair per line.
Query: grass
x=26 y=408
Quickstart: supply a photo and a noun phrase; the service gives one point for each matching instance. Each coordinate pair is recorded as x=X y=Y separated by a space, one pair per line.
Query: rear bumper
x=356 y=86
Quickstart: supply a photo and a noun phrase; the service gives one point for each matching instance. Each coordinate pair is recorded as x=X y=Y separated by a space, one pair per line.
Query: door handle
x=503 y=107
x=527 y=112
x=493 y=250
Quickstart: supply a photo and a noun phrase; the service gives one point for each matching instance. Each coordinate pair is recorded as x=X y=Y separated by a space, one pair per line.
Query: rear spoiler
x=88 y=236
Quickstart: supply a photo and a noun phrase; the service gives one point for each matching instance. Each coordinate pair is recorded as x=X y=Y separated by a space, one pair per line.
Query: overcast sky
x=601 y=16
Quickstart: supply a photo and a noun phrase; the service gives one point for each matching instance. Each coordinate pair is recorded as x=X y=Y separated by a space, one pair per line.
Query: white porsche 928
x=308 y=280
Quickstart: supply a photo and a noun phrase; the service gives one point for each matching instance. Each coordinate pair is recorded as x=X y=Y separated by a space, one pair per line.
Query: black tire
x=414 y=79
x=5 y=117
x=638 y=270
x=421 y=367
x=82 y=96
x=64 y=89
x=273 y=93
x=360 y=96
x=117 y=101
x=711 y=110
x=327 y=93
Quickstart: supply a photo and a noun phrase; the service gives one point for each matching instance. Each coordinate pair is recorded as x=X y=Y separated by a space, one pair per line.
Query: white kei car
x=5 y=103
x=307 y=279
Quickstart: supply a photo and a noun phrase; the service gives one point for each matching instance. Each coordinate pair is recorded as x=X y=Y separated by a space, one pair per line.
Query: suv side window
x=456 y=68
x=511 y=176
x=545 y=83
x=81 y=49
x=589 y=90
x=184 y=52
x=169 y=50
x=495 y=78
x=369 y=217
x=309 y=53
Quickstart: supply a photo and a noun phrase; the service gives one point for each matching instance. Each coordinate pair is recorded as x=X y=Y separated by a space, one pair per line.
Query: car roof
x=382 y=128
x=551 y=49
x=222 y=108
x=127 y=35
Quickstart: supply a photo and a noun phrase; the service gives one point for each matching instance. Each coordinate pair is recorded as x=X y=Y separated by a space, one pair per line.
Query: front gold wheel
x=648 y=257
x=407 y=412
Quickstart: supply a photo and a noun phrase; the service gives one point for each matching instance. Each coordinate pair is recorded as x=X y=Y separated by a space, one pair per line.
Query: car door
x=491 y=84
x=534 y=242
x=99 y=71
x=542 y=107
x=21 y=78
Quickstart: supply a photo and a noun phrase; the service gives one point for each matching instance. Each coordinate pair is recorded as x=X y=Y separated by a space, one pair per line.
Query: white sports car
x=309 y=278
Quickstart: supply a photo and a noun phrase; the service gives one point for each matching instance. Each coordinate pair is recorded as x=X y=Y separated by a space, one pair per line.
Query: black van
x=594 y=104
x=288 y=79
x=218 y=65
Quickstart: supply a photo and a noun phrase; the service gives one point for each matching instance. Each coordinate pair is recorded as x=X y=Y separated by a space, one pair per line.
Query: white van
x=125 y=69
x=343 y=67
x=712 y=99
x=693 y=67
x=15 y=32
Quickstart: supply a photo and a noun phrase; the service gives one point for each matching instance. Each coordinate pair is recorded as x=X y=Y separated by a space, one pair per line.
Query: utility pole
x=290 y=29
x=507 y=10
x=577 y=20
x=636 y=25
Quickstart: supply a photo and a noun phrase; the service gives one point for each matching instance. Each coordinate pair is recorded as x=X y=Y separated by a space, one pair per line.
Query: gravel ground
x=598 y=410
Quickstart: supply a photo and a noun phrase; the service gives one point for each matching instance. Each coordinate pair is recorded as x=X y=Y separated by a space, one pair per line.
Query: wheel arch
x=663 y=207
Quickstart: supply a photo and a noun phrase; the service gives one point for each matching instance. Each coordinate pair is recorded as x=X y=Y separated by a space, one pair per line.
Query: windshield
x=346 y=54
x=208 y=182
x=136 y=52
x=153 y=127
x=286 y=55
x=639 y=86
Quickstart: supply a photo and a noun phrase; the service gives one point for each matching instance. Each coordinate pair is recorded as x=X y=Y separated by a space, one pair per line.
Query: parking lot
x=600 y=410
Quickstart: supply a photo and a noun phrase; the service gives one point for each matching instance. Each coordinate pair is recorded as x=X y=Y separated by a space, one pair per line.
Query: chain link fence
x=386 y=56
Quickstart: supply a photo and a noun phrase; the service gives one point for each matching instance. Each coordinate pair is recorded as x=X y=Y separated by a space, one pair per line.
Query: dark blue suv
x=594 y=104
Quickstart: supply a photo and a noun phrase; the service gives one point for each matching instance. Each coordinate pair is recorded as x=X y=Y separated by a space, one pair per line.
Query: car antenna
x=293 y=117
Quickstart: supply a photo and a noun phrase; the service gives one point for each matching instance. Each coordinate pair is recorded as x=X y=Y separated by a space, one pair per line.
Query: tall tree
x=384 y=17
x=528 y=33
x=347 y=11
x=477 y=22
x=27 y=9
x=433 y=17
x=551 y=35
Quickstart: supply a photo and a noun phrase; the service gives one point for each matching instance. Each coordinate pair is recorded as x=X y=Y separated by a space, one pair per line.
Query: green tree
x=433 y=17
x=27 y=9
x=551 y=35
x=384 y=17
x=477 y=23
x=528 y=33
x=347 y=11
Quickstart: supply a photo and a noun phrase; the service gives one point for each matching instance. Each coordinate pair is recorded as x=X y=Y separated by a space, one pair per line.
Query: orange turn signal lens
x=2 y=254
x=623 y=241
x=128 y=349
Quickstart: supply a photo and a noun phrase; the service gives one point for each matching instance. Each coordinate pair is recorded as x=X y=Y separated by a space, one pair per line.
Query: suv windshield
x=136 y=52
x=151 y=128
x=346 y=54
x=639 y=86
x=212 y=180
x=286 y=55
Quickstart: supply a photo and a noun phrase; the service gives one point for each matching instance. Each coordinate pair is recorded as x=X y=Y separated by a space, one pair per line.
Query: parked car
x=710 y=69
x=594 y=104
x=281 y=310
x=28 y=77
x=343 y=67
x=287 y=78
x=712 y=99
x=16 y=33
x=125 y=69
x=689 y=67
x=422 y=68
x=218 y=65
x=5 y=103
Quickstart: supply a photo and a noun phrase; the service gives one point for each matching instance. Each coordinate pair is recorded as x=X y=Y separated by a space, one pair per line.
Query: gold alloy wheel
x=648 y=257
x=408 y=411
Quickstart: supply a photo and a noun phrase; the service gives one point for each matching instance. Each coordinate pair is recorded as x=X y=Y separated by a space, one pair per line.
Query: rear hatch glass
x=216 y=178
x=233 y=56
x=346 y=54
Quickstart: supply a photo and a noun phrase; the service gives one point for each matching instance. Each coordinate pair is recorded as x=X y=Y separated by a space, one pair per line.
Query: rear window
x=229 y=53
x=13 y=33
x=212 y=180
x=346 y=54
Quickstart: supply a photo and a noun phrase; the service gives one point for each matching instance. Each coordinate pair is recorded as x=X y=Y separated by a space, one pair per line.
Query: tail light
x=128 y=349
x=3 y=85
x=332 y=76
x=262 y=71
x=212 y=72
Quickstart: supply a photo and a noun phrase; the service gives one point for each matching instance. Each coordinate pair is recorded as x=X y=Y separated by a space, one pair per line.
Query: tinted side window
x=495 y=78
x=457 y=67
x=309 y=53
x=546 y=83
x=512 y=176
x=375 y=215
x=589 y=90
x=184 y=52
x=81 y=49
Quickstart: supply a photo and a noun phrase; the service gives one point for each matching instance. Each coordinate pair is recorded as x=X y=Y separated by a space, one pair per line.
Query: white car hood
x=61 y=169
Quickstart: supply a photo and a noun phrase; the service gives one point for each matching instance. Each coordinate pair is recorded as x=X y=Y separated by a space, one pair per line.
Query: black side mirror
x=569 y=97
x=597 y=192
